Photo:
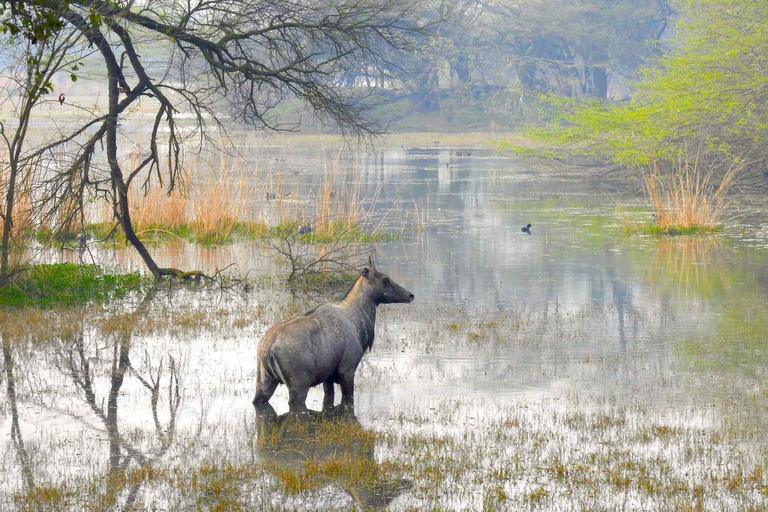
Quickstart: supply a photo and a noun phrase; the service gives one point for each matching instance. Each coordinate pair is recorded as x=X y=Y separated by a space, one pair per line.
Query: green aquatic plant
x=66 y=283
x=653 y=229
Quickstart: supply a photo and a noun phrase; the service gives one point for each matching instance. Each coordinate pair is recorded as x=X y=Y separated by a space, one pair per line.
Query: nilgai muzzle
x=326 y=344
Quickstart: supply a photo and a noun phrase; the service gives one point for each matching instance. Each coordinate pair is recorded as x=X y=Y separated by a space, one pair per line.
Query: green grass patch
x=331 y=233
x=653 y=229
x=45 y=236
x=66 y=283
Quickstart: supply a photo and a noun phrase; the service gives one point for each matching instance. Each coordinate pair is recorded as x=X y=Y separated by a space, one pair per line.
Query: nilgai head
x=384 y=289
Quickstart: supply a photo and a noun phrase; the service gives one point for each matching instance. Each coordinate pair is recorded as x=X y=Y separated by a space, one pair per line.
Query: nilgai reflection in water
x=328 y=447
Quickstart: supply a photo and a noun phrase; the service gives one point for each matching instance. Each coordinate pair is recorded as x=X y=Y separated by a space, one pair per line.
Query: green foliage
x=40 y=20
x=653 y=229
x=66 y=283
x=710 y=92
x=35 y=20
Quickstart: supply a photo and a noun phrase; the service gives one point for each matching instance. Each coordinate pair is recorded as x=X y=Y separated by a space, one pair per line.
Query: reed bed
x=22 y=220
x=153 y=208
x=206 y=203
x=219 y=204
x=222 y=201
x=339 y=209
x=687 y=198
x=158 y=210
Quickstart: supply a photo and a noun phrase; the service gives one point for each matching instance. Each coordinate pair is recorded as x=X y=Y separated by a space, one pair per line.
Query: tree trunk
x=121 y=207
x=10 y=197
x=5 y=249
x=600 y=81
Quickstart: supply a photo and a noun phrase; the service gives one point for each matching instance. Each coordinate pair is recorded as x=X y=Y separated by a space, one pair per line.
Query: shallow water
x=570 y=369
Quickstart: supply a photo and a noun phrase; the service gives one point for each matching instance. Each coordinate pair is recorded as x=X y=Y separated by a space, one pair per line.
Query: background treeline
x=488 y=64
x=704 y=100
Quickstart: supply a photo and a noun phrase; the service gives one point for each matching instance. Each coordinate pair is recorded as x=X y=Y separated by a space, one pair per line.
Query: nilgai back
x=327 y=343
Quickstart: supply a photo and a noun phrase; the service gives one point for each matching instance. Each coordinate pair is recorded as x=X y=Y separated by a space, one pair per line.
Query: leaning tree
x=206 y=60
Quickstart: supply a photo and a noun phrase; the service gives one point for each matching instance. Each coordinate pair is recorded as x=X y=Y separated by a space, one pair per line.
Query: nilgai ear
x=370 y=262
x=366 y=273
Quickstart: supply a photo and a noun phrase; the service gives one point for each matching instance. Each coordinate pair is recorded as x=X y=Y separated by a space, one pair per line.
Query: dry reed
x=22 y=218
x=219 y=204
x=687 y=197
x=339 y=209
x=153 y=208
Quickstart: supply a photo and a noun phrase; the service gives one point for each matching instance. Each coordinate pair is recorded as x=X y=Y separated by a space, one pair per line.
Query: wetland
x=573 y=368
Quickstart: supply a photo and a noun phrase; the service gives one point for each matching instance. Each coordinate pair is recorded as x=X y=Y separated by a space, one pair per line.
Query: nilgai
x=326 y=344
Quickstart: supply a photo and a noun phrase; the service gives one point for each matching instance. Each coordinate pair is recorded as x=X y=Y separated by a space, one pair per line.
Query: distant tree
x=570 y=46
x=209 y=59
x=710 y=93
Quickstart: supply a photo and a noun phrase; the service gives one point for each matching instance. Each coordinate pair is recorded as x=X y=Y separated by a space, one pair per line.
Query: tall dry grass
x=687 y=197
x=339 y=207
x=153 y=208
x=22 y=218
x=219 y=203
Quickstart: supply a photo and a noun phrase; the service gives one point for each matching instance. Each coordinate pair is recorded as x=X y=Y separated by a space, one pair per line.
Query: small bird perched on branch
x=62 y=97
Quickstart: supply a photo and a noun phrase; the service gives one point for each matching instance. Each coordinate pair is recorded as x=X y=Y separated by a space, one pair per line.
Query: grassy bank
x=66 y=283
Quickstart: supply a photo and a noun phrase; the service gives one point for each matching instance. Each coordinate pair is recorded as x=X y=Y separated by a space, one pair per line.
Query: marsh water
x=572 y=368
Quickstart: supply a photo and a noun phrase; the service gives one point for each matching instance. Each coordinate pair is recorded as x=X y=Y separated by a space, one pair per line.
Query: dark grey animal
x=527 y=229
x=326 y=344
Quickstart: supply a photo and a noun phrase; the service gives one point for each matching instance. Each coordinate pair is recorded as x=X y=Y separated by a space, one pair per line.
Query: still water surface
x=570 y=369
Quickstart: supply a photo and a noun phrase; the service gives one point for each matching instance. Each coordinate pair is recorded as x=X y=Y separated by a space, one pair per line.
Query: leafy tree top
x=711 y=90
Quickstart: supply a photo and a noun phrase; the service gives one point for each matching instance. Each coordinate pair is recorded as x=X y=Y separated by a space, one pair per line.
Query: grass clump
x=219 y=205
x=44 y=498
x=66 y=283
x=331 y=231
x=685 y=199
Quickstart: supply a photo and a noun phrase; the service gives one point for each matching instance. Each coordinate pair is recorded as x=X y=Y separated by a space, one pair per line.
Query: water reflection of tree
x=75 y=362
x=304 y=443
x=16 y=436
x=74 y=358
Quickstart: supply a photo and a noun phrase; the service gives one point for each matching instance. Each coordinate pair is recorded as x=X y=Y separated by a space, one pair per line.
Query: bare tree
x=28 y=78
x=305 y=258
x=210 y=59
